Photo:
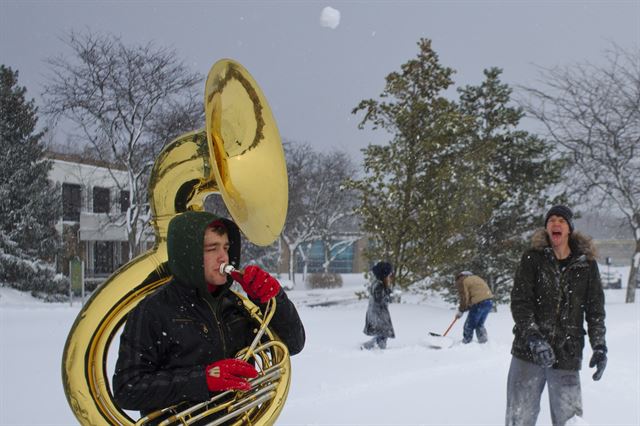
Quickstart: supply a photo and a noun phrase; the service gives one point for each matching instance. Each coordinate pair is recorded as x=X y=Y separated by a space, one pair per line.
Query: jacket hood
x=185 y=246
x=579 y=243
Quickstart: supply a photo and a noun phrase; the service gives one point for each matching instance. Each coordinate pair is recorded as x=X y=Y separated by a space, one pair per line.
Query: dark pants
x=475 y=321
x=525 y=384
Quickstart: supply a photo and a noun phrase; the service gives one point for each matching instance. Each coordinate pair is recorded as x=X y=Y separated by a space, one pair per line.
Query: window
x=124 y=253
x=124 y=201
x=103 y=257
x=100 y=200
x=71 y=201
x=341 y=264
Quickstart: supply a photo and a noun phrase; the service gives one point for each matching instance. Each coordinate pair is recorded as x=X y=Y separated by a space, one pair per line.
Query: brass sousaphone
x=239 y=156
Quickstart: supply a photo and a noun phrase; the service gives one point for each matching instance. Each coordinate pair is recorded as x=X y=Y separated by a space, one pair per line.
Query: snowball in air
x=330 y=17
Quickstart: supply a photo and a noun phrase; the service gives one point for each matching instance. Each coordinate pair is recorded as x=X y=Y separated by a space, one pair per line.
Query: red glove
x=257 y=283
x=229 y=374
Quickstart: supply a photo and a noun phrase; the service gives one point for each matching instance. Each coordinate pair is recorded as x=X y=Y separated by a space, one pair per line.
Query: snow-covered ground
x=333 y=381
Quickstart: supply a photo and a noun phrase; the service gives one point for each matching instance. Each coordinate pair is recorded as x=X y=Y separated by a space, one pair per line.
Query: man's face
x=216 y=252
x=558 y=231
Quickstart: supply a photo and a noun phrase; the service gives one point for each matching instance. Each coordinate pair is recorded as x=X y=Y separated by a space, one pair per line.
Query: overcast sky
x=315 y=68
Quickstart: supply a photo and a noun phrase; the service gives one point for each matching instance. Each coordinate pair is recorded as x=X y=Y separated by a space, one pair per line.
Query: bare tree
x=320 y=208
x=337 y=228
x=592 y=112
x=124 y=101
x=301 y=224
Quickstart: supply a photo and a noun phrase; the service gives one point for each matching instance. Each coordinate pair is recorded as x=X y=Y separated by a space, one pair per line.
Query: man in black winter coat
x=179 y=344
x=556 y=288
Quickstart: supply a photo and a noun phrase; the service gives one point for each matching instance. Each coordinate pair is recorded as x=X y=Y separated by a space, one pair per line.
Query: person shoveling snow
x=475 y=297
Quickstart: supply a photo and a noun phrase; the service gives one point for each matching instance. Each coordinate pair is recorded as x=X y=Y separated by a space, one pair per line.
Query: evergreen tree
x=409 y=204
x=459 y=186
x=512 y=168
x=30 y=205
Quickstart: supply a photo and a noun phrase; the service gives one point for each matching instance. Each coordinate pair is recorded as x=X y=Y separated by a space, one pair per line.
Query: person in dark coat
x=179 y=344
x=556 y=288
x=378 y=320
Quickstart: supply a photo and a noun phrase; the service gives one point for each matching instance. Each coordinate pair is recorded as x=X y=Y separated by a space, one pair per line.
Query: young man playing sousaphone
x=179 y=343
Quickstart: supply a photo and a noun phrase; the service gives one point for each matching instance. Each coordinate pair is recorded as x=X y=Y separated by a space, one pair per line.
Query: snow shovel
x=439 y=341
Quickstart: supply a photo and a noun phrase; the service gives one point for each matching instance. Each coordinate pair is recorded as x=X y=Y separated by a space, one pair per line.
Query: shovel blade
x=438 y=341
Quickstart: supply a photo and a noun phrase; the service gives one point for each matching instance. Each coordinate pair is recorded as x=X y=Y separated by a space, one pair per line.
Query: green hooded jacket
x=173 y=334
x=185 y=247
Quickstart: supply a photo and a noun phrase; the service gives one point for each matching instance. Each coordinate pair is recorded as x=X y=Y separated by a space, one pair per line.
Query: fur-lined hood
x=579 y=243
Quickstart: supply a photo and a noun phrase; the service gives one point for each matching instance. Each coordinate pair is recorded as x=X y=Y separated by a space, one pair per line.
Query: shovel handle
x=451 y=325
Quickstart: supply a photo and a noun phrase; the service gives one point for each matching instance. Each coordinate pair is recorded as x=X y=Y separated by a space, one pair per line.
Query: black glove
x=542 y=352
x=598 y=360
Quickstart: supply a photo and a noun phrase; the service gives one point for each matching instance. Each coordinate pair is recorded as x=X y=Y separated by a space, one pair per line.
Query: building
x=612 y=237
x=92 y=224
x=92 y=227
x=346 y=259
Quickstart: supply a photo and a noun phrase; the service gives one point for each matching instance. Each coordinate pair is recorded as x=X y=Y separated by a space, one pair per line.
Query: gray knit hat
x=562 y=211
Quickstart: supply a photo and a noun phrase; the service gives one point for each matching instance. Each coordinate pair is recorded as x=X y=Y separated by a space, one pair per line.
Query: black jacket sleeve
x=594 y=308
x=286 y=323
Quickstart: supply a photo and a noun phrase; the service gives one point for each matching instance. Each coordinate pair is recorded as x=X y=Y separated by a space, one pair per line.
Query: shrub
x=26 y=273
x=324 y=280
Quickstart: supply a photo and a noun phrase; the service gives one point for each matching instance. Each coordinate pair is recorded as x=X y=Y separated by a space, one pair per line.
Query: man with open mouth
x=556 y=288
